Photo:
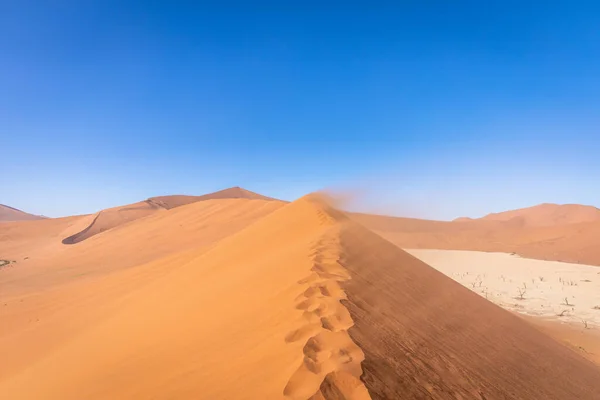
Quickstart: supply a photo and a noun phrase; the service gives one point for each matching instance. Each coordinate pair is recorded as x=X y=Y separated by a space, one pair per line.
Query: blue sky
x=433 y=109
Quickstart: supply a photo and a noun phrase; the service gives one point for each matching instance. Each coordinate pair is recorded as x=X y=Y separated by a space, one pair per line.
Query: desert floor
x=534 y=287
x=562 y=299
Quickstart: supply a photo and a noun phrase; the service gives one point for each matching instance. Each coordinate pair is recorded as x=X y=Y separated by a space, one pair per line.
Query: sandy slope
x=549 y=215
x=22 y=239
x=535 y=287
x=12 y=214
x=225 y=324
x=113 y=217
x=572 y=242
x=236 y=192
x=547 y=287
x=49 y=262
x=298 y=305
x=117 y=216
x=583 y=341
x=425 y=336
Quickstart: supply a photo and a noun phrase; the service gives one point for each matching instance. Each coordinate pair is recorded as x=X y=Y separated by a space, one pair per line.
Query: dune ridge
x=331 y=365
x=113 y=217
x=209 y=324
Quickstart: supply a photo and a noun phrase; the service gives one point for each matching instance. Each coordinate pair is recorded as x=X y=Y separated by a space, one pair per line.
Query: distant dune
x=236 y=192
x=544 y=215
x=463 y=219
x=549 y=232
x=45 y=262
x=114 y=217
x=540 y=287
x=12 y=214
x=296 y=301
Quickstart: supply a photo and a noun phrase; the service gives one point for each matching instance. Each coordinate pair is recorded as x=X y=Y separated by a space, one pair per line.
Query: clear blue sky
x=432 y=109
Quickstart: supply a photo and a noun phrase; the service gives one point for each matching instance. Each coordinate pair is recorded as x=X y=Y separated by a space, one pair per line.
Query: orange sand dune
x=24 y=238
x=12 y=214
x=302 y=304
x=584 y=341
x=571 y=242
x=113 y=217
x=195 y=226
x=236 y=192
x=549 y=215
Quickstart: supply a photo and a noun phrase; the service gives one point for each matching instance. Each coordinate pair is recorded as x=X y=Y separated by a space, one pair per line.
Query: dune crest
x=331 y=365
x=236 y=192
x=11 y=214
x=426 y=336
x=547 y=214
x=117 y=216
x=113 y=217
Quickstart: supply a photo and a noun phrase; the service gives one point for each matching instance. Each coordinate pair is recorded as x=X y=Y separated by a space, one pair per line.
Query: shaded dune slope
x=113 y=217
x=23 y=238
x=302 y=304
x=173 y=201
x=8 y=213
x=425 y=336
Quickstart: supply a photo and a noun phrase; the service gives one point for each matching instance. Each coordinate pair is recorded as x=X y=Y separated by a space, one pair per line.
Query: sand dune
x=208 y=325
x=564 y=298
x=12 y=214
x=549 y=215
x=535 y=287
x=49 y=263
x=570 y=242
x=301 y=304
x=236 y=192
x=447 y=341
x=114 y=217
x=22 y=239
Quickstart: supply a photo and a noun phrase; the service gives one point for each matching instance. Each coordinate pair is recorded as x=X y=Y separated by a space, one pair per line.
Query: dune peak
x=11 y=214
